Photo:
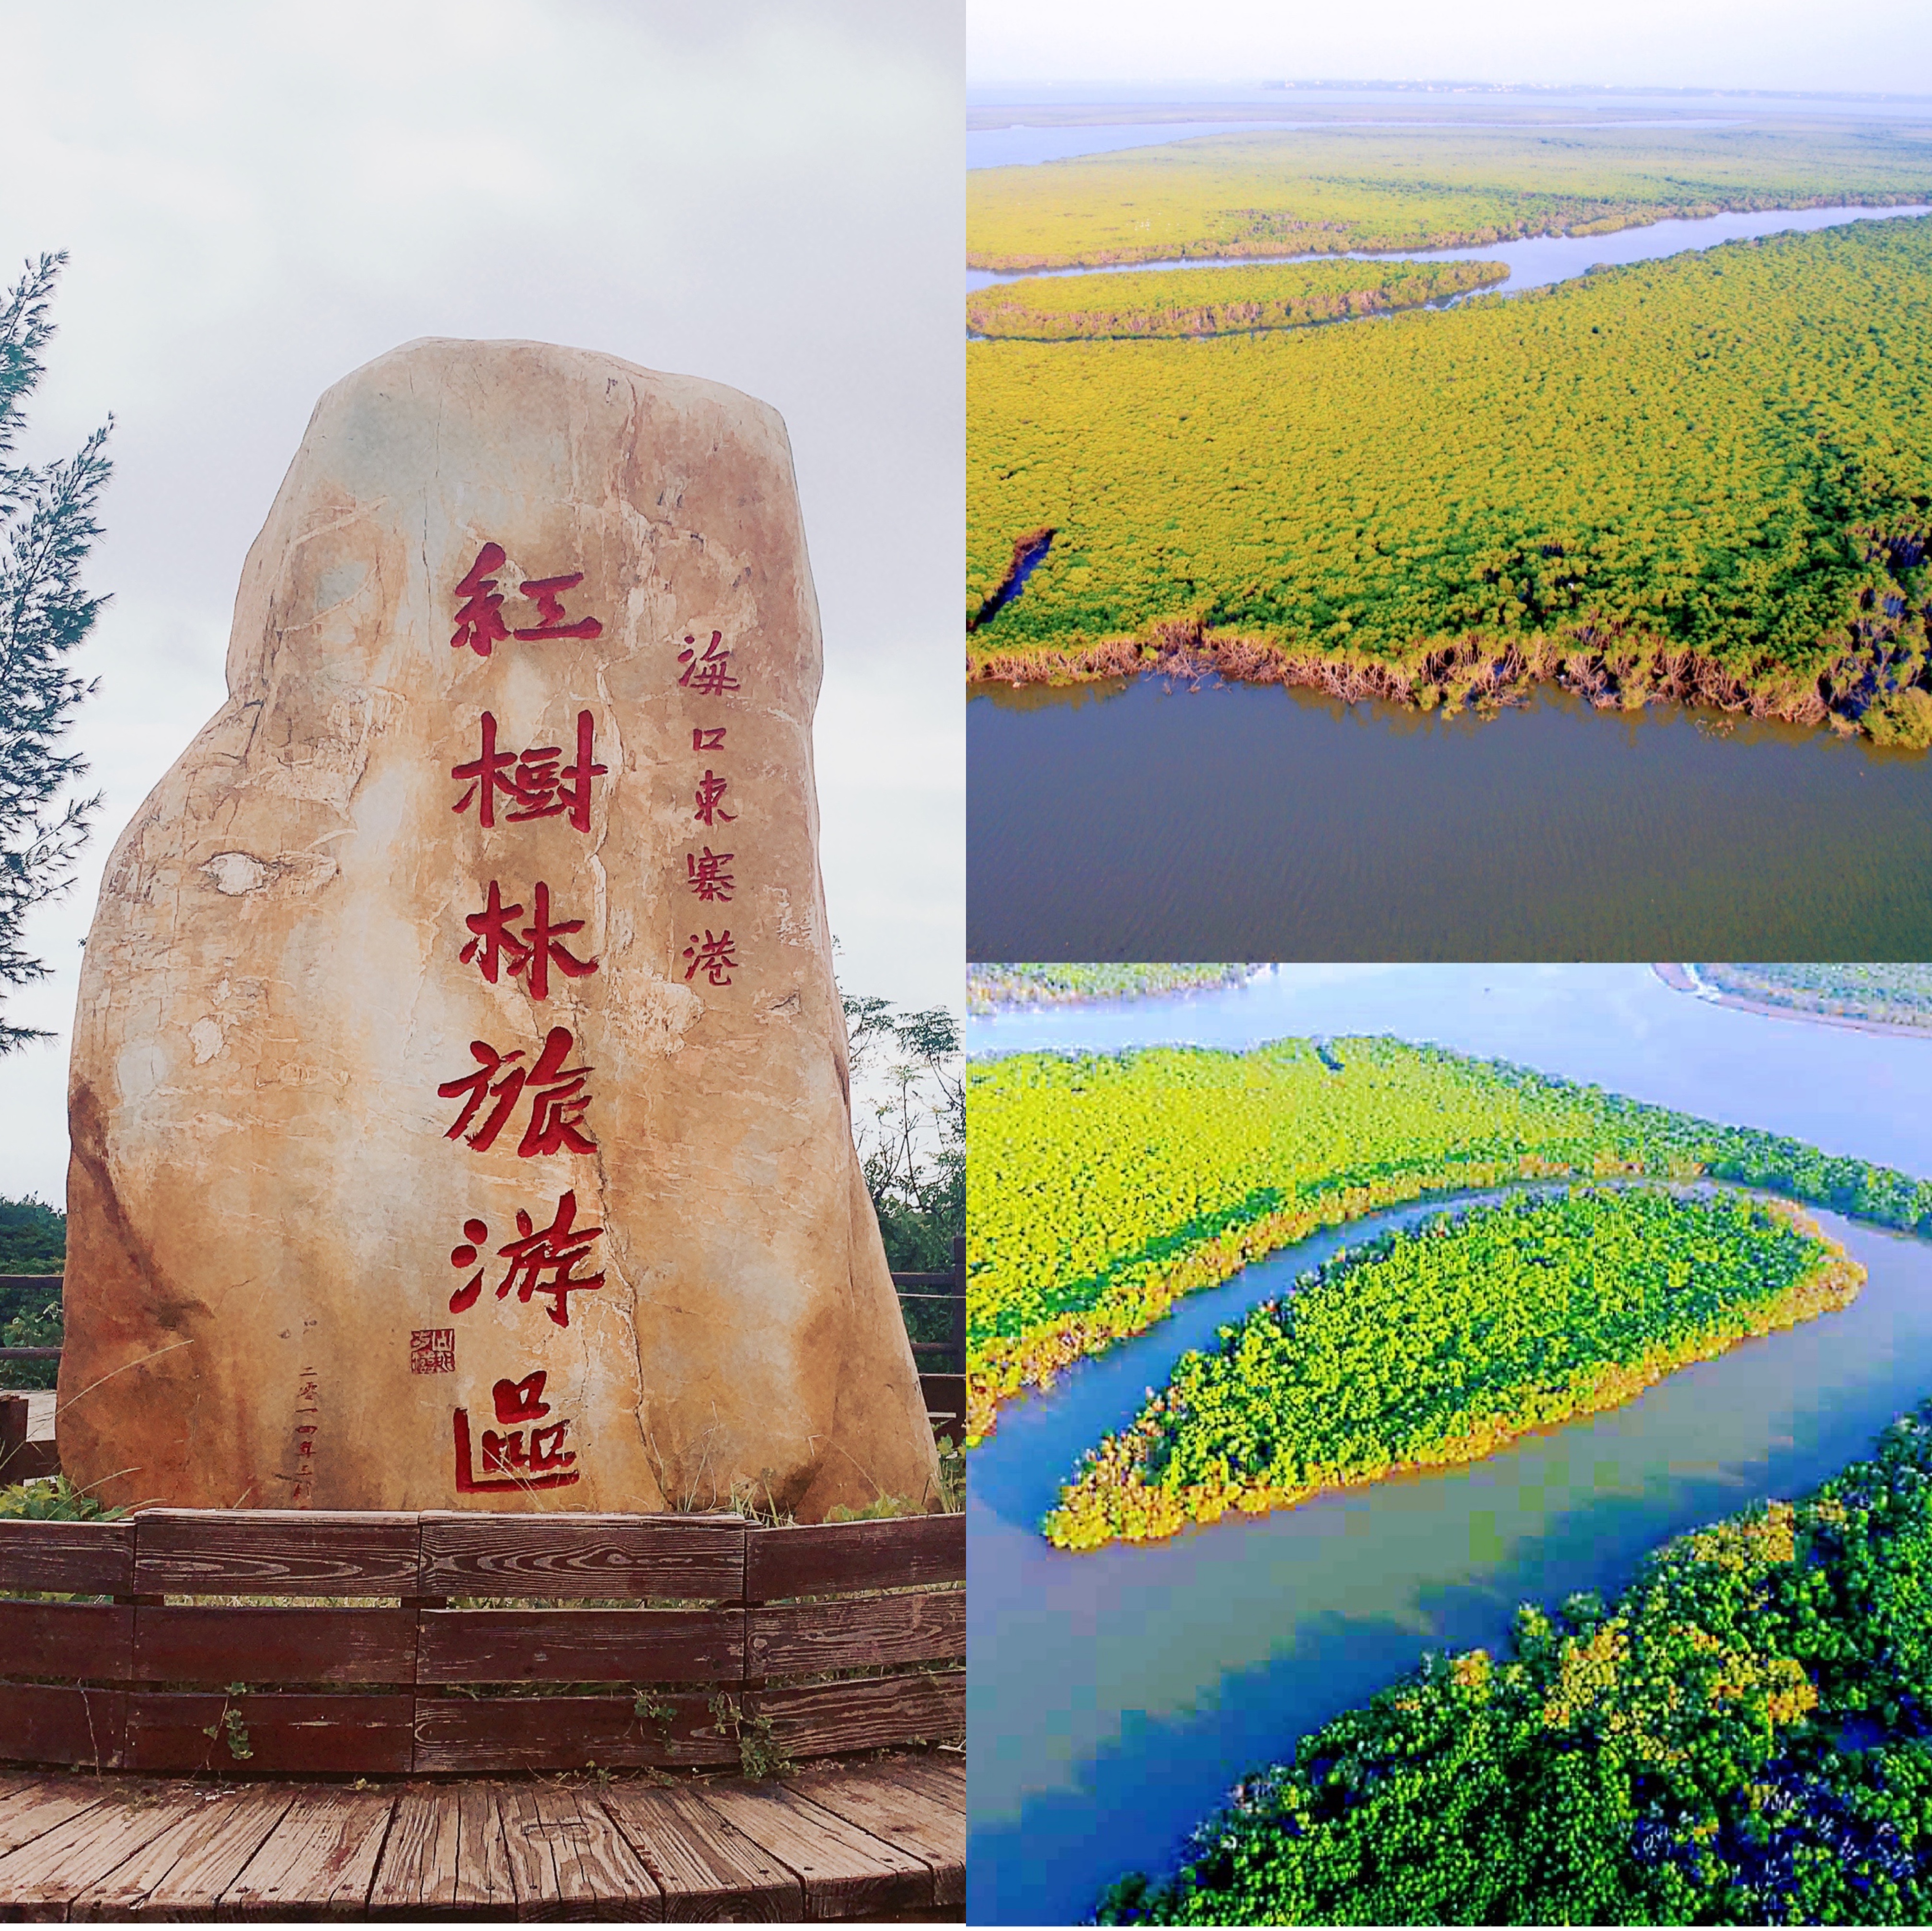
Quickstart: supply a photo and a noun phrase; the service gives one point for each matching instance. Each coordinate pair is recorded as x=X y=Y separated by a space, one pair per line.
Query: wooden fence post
x=13 y=1431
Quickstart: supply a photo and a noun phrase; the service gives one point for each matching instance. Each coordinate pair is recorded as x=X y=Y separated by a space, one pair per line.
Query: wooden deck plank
x=532 y=1864
x=179 y=1875
x=710 y=1872
x=41 y=1804
x=568 y=1860
x=20 y=1791
x=941 y=1773
x=43 y=1877
x=846 y=1872
x=445 y=1857
x=880 y=1799
x=319 y=1862
x=882 y=1838
x=417 y=1873
x=483 y=1877
x=599 y=1875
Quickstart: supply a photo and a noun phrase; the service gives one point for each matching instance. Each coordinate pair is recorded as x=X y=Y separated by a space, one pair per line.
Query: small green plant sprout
x=662 y=1715
x=230 y=1721
x=760 y=1754
x=881 y=1508
x=52 y=1499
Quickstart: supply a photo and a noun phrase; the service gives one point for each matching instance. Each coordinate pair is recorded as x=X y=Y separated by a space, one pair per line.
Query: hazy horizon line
x=1444 y=85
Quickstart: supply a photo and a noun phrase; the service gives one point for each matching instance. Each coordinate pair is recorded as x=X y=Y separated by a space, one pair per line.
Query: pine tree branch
x=48 y=514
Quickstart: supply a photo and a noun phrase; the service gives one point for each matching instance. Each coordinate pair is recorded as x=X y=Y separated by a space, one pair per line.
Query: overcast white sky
x=1858 y=44
x=259 y=198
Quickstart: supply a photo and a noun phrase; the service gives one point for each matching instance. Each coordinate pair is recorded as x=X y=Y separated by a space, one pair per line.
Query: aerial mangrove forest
x=1101 y=1188
x=1883 y=992
x=1437 y=1345
x=1326 y=190
x=1705 y=479
x=1742 y=1738
x=1215 y=302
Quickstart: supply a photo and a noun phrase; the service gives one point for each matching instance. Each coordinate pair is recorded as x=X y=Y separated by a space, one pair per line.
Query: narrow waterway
x=1543 y=259
x=1114 y=1696
x=1133 y=821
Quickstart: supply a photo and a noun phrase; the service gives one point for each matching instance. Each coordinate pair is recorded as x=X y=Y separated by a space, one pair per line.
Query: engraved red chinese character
x=538 y=946
x=557 y=1097
x=547 y=593
x=477 y=623
x=707 y=795
x=507 y=1463
x=714 y=958
x=554 y=1252
x=702 y=739
x=706 y=876
x=531 y=778
x=711 y=672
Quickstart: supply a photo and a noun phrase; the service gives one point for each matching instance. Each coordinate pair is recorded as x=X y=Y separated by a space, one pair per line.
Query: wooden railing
x=21 y=1460
x=716 y=1642
x=942 y=1364
x=37 y=1290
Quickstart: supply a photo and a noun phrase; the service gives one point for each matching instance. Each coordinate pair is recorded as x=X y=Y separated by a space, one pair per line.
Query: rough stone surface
x=265 y=1199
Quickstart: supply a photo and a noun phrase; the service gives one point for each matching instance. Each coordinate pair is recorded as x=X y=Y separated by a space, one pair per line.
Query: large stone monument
x=460 y=1102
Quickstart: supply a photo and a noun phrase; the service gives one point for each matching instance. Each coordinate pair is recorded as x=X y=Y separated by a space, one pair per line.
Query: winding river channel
x=1544 y=259
x=1114 y=1696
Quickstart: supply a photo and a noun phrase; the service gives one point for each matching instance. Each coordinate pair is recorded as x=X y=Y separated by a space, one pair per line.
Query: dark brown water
x=1131 y=821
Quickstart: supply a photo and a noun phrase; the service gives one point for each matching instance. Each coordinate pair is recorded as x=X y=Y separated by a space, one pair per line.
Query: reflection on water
x=1114 y=1696
x=1249 y=822
x=1048 y=696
